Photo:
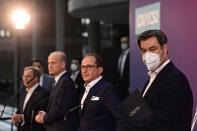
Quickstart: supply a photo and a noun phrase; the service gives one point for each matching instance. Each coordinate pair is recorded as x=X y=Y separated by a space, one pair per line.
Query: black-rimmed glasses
x=88 y=67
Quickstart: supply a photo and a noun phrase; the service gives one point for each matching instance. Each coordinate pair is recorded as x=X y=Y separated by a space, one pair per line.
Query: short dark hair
x=99 y=60
x=35 y=71
x=36 y=60
x=161 y=37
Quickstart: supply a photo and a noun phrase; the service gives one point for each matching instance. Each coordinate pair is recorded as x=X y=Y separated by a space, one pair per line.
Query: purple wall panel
x=179 y=22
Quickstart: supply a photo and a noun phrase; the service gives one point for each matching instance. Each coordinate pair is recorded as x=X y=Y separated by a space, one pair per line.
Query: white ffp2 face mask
x=151 y=60
x=73 y=67
x=124 y=46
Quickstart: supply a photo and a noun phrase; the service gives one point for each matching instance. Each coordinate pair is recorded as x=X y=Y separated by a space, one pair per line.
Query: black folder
x=135 y=108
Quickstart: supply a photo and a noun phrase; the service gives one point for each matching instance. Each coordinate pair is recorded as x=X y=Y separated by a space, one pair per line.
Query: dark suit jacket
x=63 y=98
x=171 y=101
x=123 y=82
x=80 y=82
x=38 y=101
x=101 y=115
x=47 y=82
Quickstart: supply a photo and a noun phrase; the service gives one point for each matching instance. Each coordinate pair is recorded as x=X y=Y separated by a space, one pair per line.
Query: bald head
x=59 y=55
x=56 y=63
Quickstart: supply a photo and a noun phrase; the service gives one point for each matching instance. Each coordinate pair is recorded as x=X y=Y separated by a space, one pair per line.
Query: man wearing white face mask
x=122 y=80
x=167 y=92
x=76 y=76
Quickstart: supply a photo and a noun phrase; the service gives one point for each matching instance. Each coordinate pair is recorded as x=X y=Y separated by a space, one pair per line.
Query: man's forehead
x=89 y=59
x=37 y=64
x=52 y=58
x=124 y=39
x=149 y=43
x=75 y=61
x=28 y=71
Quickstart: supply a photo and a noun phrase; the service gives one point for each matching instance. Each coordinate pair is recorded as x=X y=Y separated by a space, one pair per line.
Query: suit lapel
x=32 y=99
x=61 y=78
x=145 y=86
x=23 y=95
x=159 y=77
x=55 y=86
x=81 y=95
x=94 y=91
x=44 y=80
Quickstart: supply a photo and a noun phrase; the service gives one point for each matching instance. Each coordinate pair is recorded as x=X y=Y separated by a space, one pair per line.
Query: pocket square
x=94 y=98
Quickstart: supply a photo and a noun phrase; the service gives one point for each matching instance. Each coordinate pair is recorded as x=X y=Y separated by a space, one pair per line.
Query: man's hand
x=40 y=117
x=16 y=118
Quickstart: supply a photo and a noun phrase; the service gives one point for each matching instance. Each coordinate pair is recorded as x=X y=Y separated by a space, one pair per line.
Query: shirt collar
x=58 y=77
x=92 y=83
x=126 y=51
x=41 y=79
x=41 y=76
x=150 y=73
x=32 y=89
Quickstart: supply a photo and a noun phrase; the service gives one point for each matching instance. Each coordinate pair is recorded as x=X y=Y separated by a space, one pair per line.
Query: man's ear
x=100 y=70
x=63 y=65
x=37 y=78
x=165 y=47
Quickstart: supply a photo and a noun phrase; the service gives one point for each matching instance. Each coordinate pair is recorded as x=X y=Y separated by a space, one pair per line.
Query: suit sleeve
x=111 y=101
x=64 y=101
x=40 y=103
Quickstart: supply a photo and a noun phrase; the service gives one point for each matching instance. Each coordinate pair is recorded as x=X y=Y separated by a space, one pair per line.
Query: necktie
x=53 y=84
x=49 y=103
x=87 y=88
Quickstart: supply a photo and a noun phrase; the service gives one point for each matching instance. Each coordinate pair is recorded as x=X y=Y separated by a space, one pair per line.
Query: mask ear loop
x=163 y=55
x=143 y=59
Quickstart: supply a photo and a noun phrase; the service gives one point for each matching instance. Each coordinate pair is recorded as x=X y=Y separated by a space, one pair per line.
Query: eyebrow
x=89 y=65
x=152 y=47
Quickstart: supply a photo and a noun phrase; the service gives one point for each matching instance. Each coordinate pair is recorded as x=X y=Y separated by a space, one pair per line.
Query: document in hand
x=135 y=108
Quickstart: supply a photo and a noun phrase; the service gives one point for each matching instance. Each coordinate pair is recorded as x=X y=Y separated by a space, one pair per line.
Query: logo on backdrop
x=147 y=17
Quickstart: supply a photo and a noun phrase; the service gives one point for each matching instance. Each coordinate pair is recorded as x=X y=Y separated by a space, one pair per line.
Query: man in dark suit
x=99 y=100
x=122 y=78
x=167 y=92
x=45 y=80
x=76 y=76
x=62 y=99
x=32 y=99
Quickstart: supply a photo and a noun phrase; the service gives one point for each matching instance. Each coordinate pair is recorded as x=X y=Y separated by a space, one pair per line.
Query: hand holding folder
x=135 y=108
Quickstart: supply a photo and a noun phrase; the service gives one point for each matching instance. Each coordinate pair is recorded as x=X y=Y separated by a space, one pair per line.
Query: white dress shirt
x=41 y=80
x=58 y=77
x=88 y=86
x=28 y=95
x=153 y=75
x=74 y=75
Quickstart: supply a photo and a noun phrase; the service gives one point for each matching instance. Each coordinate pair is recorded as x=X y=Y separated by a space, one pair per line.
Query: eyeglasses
x=88 y=67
